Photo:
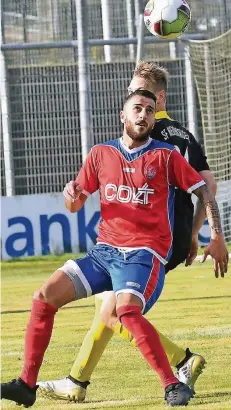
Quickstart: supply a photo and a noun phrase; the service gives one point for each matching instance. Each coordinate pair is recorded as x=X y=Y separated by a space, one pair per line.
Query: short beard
x=134 y=135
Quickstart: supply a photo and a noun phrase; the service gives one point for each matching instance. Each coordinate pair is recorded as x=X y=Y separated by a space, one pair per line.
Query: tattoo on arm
x=211 y=209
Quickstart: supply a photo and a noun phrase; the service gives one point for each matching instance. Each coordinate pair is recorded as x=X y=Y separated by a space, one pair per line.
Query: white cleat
x=191 y=370
x=64 y=389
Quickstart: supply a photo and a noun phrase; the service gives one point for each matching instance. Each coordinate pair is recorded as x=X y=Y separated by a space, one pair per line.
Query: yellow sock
x=120 y=330
x=92 y=347
x=174 y=353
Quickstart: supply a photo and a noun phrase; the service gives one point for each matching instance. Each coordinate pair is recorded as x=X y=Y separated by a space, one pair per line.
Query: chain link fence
x=42 y=89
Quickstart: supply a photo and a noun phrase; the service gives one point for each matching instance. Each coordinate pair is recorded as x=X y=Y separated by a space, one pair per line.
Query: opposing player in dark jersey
x=128 y=258
x=105 y=324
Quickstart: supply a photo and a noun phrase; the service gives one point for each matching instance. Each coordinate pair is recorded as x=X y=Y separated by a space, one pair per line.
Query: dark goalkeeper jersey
x=174 y=133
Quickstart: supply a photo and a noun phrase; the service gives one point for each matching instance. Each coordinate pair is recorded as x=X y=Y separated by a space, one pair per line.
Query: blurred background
x=65 y=67
x=54 y=20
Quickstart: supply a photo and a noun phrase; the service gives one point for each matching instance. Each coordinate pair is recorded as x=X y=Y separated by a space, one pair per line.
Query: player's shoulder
x=110 y=143
x=156 y=144
x=173 y=128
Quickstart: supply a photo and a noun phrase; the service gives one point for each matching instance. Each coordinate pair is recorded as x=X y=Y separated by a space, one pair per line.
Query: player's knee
x=45 y=294
x=128 y=310
x=57 y=291
x=108 y=310
x=128 y=305
x=128 y=299
x=39 y=295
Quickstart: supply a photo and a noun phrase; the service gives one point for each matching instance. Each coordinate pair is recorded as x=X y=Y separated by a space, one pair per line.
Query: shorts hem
x=134 y=292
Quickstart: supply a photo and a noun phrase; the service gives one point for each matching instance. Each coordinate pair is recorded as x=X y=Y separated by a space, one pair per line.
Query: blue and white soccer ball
x=167 y=18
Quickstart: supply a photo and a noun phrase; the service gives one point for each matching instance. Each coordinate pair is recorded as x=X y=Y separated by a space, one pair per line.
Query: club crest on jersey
x=150 y=172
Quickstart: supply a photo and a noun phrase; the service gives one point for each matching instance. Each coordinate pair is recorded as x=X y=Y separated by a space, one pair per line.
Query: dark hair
x=143 y=93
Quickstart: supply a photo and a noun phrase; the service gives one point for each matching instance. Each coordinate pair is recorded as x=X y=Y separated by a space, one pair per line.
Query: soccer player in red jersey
x=136 y=176
x=188 y=365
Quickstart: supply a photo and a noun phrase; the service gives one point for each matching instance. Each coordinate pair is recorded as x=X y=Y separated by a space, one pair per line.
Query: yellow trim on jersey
x=162 y=114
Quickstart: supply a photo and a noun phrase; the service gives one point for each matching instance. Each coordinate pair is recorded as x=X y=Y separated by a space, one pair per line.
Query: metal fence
x=42 y=112
x=45 y=123
x=53 y=20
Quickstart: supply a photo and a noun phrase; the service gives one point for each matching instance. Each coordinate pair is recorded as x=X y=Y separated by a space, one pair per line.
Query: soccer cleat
x=191 y=369
x=178 y=394
x=67 y=389
x=17 y=390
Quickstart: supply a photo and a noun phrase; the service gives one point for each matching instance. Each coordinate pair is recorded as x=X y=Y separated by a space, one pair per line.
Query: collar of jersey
x=134 y=150
x=162 y=114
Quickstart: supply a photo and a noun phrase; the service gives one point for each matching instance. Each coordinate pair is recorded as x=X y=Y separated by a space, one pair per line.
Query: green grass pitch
x=194 y=310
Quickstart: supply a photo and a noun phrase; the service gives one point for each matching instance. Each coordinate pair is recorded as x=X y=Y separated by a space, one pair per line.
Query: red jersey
x=137 y=192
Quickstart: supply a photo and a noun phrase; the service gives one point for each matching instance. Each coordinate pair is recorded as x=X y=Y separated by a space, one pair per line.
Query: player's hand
x=72 y=191
x=219 y=253
x=193 y=251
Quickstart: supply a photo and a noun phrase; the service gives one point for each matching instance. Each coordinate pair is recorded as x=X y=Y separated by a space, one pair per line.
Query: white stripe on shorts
x=73 y=266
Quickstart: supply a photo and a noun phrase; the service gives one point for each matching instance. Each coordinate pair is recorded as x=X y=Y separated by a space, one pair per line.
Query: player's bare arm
x=199 y=215
x=216 y=247
x=74 y=198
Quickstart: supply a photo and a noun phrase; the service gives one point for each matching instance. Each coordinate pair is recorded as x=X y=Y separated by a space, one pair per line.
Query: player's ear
x=122 y=117
x=161 y=96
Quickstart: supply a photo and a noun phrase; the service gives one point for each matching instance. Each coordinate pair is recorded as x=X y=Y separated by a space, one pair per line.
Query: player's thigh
x=58 y=290
x=108 y=308
x=139 y=273
x=88 y=275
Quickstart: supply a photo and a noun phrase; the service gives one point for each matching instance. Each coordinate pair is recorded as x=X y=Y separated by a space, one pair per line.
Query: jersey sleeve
x=87 y=176
x=196 y=156
x=181 y=174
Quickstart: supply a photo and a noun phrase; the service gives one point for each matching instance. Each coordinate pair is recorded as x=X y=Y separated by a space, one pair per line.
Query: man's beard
x=134 y=135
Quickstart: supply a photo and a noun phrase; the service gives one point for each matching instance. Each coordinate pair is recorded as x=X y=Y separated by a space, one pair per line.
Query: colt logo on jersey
x=127 y=194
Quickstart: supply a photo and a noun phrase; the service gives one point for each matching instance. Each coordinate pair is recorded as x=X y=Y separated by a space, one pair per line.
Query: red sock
x=38 y=334
x=147 y=341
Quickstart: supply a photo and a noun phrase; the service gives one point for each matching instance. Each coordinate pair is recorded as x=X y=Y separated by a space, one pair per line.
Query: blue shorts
x=108 y=268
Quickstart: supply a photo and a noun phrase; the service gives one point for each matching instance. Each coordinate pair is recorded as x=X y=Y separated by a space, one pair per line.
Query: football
x=167 y=19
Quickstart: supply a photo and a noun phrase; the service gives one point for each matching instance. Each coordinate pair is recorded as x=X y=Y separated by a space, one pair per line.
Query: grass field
x=194 y=310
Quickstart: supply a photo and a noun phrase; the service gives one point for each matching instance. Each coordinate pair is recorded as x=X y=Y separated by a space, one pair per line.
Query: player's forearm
x=209 y=204
x=199 y=214
x=199 y=218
